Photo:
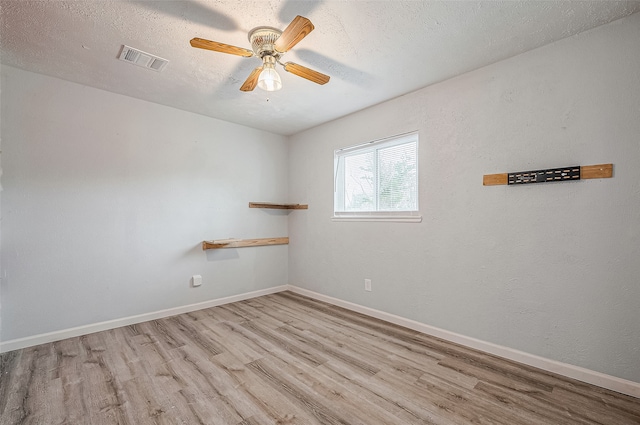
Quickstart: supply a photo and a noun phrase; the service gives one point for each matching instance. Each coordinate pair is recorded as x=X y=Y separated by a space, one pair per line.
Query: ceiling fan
x=269 y=44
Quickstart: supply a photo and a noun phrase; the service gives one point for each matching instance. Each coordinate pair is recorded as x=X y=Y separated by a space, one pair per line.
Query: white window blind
x=378 y=178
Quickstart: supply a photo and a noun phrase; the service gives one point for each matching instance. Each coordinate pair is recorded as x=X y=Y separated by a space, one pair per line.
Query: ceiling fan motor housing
x=262 y=41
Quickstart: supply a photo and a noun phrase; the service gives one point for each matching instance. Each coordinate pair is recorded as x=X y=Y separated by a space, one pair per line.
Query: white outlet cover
x=196 y=280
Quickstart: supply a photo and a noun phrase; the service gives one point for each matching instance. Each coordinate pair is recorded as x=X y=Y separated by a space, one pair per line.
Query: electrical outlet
x=196 y=280
x=367 y=284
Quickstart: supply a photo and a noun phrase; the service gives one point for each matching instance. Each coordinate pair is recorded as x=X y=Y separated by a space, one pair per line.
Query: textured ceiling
x=373 y=50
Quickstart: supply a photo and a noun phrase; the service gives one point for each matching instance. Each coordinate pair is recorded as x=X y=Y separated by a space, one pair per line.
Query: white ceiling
x=373 y=50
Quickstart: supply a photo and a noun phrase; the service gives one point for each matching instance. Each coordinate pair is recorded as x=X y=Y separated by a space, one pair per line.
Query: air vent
x=143 y=59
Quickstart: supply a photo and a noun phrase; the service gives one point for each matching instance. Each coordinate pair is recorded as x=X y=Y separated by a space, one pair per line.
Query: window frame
x=411 y=216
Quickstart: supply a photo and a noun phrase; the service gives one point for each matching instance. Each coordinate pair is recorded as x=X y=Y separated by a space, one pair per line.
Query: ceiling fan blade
x=201 y=43
x=304 y=72
x=296 y=31
x=252 y=81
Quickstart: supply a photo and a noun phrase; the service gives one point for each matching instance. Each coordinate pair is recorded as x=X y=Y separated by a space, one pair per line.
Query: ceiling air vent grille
x=143 y=59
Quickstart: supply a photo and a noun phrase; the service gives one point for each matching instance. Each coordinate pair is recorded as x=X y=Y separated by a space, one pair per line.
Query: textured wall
x=107 y=198
x=549 y=269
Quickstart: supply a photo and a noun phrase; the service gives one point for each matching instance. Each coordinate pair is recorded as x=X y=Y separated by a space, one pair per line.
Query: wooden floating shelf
x=278 y=206
x=600 y=171
x=242 y=243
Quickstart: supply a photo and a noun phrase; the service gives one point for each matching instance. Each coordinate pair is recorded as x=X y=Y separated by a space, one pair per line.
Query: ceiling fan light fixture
x=269 y=79
x=269 y=44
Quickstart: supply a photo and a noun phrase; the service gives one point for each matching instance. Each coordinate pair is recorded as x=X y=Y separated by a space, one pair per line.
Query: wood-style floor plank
x=287 y=359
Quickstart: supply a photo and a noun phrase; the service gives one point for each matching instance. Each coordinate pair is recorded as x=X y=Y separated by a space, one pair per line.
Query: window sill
x=379 y=217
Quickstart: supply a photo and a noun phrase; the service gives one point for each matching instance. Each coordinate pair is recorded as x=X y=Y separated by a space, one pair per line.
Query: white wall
x=548 y=269
x=107 y=198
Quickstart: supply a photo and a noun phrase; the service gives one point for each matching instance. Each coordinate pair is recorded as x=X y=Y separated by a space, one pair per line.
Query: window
x=378 y=180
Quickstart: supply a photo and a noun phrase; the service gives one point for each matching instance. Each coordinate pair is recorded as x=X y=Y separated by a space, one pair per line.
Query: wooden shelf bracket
x=278 y=206
x=242 y=243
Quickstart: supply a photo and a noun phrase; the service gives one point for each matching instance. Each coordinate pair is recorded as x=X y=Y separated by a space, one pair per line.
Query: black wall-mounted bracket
x=601 y=171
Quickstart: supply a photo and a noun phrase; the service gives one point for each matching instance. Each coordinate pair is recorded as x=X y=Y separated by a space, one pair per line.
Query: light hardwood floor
x=286 y=359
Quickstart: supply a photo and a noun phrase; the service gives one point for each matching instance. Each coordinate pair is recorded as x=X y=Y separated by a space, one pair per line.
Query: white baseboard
x=581 y=374
x=16 y=344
